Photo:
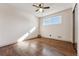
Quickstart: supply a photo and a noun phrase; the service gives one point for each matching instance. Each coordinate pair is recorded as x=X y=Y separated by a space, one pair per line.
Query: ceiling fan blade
x=37 y=10
x=36 y=6
x=39 y=5
x=46 y=7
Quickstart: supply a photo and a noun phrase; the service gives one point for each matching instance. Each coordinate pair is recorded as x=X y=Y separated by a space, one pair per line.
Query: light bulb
x=40 y=10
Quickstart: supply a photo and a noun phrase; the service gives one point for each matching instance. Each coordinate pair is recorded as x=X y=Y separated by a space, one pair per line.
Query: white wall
x=65 y=30
x=78 y=30
x=14 y=24
x=77 y=27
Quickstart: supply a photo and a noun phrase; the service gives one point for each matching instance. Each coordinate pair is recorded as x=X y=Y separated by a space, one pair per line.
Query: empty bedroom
x=38 y=29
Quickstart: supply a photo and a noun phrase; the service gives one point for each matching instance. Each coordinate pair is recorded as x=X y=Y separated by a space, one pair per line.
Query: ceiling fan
x=40 y=7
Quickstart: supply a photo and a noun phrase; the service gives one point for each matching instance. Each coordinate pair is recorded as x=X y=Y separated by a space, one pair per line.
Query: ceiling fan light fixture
x=41 y=10
x=40 y=7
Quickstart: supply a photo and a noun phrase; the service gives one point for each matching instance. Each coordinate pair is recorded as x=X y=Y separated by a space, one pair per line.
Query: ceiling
x=54 y=7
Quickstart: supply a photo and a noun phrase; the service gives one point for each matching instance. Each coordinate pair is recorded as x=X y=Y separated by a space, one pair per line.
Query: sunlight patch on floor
x=26 y=35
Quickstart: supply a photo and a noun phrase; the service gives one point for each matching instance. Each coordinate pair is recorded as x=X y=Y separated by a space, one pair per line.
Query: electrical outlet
x=50 y=35
x=59 y=36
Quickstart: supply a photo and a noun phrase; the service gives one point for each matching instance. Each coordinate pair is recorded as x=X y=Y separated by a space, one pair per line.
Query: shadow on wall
x=26 y=35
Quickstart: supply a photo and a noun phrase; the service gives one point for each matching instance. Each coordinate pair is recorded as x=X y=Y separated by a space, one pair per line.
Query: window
x=52 y=21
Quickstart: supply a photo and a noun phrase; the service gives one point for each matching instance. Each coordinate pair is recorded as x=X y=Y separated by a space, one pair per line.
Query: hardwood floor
x=39 y=47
